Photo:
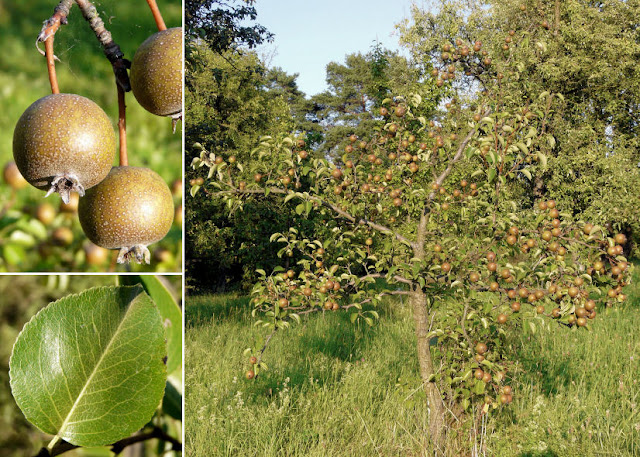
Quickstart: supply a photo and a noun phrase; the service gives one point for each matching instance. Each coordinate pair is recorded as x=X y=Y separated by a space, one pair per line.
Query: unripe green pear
x=129 y=210
x=156 y=73
x=64 y=143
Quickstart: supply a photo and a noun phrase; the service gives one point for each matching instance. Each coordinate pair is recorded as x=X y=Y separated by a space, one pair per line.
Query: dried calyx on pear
x=129 y=210
x=64 y=143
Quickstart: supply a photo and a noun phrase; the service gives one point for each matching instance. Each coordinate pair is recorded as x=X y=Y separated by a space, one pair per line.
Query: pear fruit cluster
x=65 y=143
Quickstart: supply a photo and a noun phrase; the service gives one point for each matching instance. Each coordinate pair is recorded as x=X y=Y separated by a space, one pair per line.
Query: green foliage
x=228 y=106
x=583 y=51
x=446 y=197
x=541 y=256
x=82 y=69
x=476 y=263
x=351 y=105
x=232 y=100
x=76 y=366
x=223 y=25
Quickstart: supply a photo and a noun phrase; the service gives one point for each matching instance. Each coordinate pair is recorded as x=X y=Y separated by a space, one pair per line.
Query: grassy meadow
x=334 y=389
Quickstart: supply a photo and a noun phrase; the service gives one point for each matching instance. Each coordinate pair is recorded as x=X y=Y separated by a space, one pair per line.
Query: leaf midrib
x=96 y=366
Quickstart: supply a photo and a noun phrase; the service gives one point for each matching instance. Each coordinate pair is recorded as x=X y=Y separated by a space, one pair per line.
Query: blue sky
x=310 y=34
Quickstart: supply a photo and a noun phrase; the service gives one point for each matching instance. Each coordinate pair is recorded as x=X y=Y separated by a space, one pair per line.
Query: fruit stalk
x=156 y=15
x=122 y=127
x=51 y=65
x=49 y=29
x=110 y=48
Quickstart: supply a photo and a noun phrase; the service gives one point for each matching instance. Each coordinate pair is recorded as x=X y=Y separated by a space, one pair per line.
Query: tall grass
x=333 y=389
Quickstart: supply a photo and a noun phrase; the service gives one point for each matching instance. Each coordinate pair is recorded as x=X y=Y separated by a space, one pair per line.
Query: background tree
x=223 y=25
x=582 y=50
x=351 y=105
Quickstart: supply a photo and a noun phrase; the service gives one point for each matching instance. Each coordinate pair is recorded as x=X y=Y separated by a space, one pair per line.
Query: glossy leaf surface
x=170 y=312
x=89 y=367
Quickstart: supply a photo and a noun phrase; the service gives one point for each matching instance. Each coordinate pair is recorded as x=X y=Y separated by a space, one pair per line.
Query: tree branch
x=111 y=49
x=51 y=25
x=62 y=446
x=456 y=158
x=266 y=343
x=395 y=278
x=157 y=432
x=418 y=246
x=326 y=204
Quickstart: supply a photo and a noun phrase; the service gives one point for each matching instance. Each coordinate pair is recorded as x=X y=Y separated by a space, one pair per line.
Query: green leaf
x=551 y=141
x=13 y=254
x=89 y=367
x=478 y=387
x=543 y=159
x=491 y=174
x=34 y=227
x=194 y=190
x=169 y=310
x=172 y=402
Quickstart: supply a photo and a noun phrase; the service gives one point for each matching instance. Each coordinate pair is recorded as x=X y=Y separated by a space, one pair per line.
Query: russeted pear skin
x=156 y=73
x=132 y=207
x=64 y=135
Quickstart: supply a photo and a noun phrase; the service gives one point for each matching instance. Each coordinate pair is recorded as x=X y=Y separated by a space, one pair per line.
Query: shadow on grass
x=551 y=377
x=538 y=454
x=201 y=310
x=327 y=335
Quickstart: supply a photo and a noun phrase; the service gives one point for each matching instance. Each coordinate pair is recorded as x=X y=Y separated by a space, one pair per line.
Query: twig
x=62 y=446
x=157 y=432
x=111 y=49
x=122 y=126
x=51 y=65
x=456 y=158
x=326 y=204
x=396 y=278
x=156 y=15
x=51 y=25
x=464 y=330
x=264 y=347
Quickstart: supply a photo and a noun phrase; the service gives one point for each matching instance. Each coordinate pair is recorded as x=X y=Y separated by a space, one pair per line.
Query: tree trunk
x=437 y=424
